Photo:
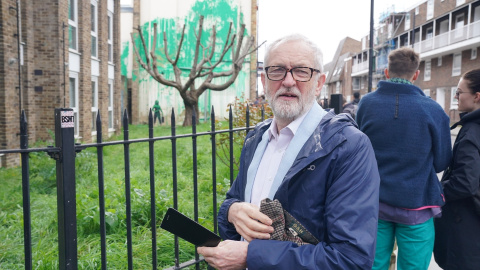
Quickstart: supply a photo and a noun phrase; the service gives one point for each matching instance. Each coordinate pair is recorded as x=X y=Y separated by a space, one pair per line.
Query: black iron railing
x=64 y=153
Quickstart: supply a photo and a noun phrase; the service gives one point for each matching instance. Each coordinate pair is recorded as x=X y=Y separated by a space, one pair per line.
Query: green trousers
x=415 y=245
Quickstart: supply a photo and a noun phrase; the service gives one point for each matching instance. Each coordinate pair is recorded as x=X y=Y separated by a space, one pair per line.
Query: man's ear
x=320 y=83
x=262 y=76
x=386 y=73
x=415 y=76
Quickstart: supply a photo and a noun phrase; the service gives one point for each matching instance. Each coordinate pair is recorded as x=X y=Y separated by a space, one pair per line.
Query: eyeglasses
x=300 y=74
x=459 y=92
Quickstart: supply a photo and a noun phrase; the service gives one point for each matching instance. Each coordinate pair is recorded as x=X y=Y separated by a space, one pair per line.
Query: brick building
x=338 y=71
x=81 y=73
x=446 y=34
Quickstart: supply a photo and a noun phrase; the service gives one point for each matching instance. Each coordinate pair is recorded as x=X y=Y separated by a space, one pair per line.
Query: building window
x=453 y=99
x=110 y=36
x=362 y=83
x=94 y=24
x=73 y=94
x=439 y=61
x=428 y=70
x=72 y=24
x=429 y=9
x=459 y=26
x=407 y=21
x=474 y=54
x=110 y=104
x=323 y=93
x=427 y=92
x=94 y=103
x=457 y=64
x=460 y=2
x=337 y=90
x=417 y=10
x=356 y=83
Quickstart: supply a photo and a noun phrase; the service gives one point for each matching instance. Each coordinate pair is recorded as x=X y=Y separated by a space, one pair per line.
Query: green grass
x=44 y=206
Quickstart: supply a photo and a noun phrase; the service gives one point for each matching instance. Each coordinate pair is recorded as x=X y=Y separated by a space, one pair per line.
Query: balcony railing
x=360 y=67
x=456 y=35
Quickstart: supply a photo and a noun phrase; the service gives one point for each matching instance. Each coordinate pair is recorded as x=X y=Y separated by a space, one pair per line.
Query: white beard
x=290 y=110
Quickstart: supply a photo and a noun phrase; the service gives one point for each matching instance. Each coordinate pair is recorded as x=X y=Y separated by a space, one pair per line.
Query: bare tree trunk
x=191 y=105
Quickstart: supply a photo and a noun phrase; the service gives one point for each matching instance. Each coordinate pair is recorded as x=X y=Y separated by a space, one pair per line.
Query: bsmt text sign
x=67 y=119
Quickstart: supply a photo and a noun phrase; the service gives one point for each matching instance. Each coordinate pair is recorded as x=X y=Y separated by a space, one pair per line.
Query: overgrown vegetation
x=43 y=203
x=43 y=196
x=239 y=107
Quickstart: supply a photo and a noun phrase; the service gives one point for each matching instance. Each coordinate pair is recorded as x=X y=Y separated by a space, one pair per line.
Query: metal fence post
x=66 y=203
x=27 y=221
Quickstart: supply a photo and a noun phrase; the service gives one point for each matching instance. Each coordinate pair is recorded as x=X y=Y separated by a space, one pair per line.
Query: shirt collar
x=292 y=127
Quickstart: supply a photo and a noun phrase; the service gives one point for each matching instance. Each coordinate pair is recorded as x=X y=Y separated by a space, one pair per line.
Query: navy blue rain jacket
x=332 y=189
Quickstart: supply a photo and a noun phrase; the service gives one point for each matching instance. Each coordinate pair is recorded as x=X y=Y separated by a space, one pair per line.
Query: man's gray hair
x=317 y=53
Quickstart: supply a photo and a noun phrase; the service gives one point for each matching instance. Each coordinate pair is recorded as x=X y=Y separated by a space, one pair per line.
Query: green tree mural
x=207 y=63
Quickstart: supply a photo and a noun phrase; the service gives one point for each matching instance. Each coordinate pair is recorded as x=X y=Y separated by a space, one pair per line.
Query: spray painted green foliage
x=216 y=12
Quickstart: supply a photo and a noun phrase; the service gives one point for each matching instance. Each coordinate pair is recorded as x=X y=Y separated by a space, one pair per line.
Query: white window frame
x=417 y=10
x=453 y=99
x=439 y=61
x=460 y=2
x=94 y=31
x=323 y=93
x=356 y=83
x=337 y=87
x=427 y=92
x=427 y=74
x=110 y=106
x=430 y=7
x=429 y=33
x=407 y=21
x=74 y=76
x=474 y=54
x=110 y=36
x=73 y=23
x=457 y=70
x=94 y=104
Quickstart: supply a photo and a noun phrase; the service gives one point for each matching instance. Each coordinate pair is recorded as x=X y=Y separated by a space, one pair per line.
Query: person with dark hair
x=356 y=98
x=317 y=165
x=350 y=108
x=457 y=232
x=411 y=138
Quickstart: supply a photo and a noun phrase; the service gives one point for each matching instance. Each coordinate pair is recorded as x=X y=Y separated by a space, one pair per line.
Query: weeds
x=44 y=206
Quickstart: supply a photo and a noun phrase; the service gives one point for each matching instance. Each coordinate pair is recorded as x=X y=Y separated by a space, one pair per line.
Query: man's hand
x=249 y=222
x=228 y=255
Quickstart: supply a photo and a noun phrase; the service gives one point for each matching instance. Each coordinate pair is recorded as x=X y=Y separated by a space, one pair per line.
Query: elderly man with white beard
x=318 y=165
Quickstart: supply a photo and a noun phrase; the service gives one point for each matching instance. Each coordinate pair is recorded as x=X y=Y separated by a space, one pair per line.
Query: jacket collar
x=468 y=117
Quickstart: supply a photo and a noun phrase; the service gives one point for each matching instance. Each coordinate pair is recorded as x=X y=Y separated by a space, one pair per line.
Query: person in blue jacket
x=318 y=165
x=411 y=137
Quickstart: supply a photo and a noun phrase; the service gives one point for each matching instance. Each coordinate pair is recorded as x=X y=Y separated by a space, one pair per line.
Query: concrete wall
x=171 y=16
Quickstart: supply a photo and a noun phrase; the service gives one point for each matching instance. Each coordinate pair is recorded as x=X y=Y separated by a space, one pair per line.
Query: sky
x=325 y=22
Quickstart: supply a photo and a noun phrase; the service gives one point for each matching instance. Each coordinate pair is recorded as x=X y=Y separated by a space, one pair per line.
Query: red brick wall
x=44 y=72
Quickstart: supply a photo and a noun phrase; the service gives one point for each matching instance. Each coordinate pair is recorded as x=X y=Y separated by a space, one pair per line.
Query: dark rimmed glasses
x=457 y=93
x=300 y=74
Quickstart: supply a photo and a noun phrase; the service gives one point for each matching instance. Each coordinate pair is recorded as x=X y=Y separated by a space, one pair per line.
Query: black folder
x=188 y=229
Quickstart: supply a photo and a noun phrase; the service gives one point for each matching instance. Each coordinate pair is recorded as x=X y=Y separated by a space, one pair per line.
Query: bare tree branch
x=203 y=65
x=140 y=60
